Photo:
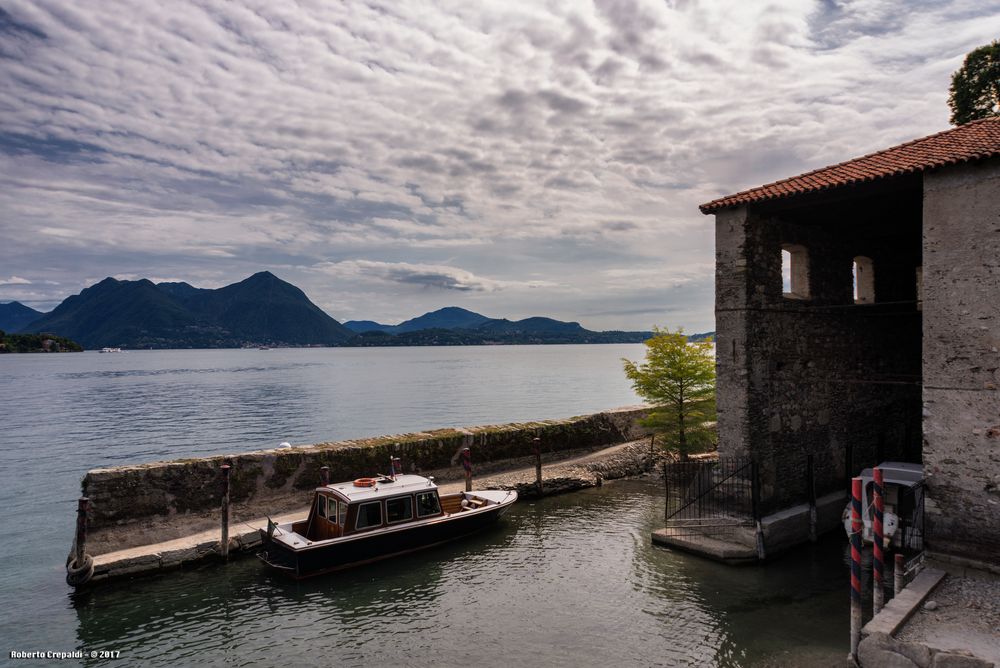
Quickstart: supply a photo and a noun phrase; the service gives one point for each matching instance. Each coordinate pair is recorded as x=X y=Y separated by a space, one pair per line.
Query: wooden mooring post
x=225 y=511
x=878 y=591
x=82 y=506
x=467 y=465
x=79 y=564
x=855 y=567
x=536 y=446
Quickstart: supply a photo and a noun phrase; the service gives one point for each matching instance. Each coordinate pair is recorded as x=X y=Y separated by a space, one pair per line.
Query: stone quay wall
x=147 y=503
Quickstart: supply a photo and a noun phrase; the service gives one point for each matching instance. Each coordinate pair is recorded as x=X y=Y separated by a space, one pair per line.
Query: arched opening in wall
x=795 y=271
x=864 y=280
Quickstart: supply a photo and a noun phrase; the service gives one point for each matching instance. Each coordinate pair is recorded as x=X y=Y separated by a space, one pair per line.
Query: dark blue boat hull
x=372 y=546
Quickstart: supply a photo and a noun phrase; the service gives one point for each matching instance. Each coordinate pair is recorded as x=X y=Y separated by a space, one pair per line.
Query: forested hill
x=260 y=310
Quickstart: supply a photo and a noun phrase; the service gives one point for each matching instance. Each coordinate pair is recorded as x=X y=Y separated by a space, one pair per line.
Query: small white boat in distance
x=111 y=350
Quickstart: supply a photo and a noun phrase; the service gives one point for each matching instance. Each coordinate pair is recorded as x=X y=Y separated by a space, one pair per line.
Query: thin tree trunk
x=681 y=435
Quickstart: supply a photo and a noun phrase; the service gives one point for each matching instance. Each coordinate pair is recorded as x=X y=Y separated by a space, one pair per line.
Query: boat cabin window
x=331 y=513
x=369 y=515
x=399 y=509
x=321 y=505
x=427 y=504
x=342 y=515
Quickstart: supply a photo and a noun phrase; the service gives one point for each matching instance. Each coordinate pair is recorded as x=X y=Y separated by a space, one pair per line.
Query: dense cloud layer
x=392 y=158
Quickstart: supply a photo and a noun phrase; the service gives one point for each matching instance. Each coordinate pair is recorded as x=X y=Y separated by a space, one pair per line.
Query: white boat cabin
x=367 y=504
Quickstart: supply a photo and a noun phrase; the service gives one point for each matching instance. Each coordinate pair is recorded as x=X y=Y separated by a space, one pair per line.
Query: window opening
x=786 y=272
x=796 y=259
x=864 y=280
x=399 y=509
x=321 y=506
x=427 y=504
x=369 y=515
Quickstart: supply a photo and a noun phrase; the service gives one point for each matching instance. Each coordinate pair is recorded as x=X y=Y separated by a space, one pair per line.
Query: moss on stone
x=243 y=482
x=284 y=467
x=132 y=493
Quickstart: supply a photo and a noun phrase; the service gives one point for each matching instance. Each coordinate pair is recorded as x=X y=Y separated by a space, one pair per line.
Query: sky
x=391 y=158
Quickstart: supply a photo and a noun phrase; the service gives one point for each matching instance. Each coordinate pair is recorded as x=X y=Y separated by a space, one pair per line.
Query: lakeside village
x=869 y=407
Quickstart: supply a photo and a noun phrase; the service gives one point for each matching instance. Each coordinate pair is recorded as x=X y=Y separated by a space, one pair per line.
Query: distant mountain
x=454 y=326
x=262 y=309
x=15 y=315
x=265 y=310
x=362 y=326
x=536 y=325
x=450 y=317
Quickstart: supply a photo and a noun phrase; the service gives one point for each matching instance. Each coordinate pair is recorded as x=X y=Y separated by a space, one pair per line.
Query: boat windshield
x=427 y=504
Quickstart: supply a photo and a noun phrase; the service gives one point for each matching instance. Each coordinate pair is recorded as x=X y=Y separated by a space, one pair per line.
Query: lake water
x=569 y=580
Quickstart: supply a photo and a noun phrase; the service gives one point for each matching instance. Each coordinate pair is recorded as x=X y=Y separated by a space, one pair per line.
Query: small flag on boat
x=271 y=526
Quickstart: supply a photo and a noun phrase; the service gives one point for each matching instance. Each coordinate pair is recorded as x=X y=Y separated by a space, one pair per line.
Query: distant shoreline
x=281 y=347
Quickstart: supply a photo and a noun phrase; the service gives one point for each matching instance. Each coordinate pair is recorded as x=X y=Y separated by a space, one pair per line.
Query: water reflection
x=566 y=581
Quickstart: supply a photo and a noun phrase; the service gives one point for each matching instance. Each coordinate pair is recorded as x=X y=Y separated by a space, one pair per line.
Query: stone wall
x=136 y=505
x=961 y=361
x=821 y=376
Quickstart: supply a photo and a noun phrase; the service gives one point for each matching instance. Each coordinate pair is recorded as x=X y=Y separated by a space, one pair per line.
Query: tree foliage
x=975 y=87
x=678 y=379
x=36 y=343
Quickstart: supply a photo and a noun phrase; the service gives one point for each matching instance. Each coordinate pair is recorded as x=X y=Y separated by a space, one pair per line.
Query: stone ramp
x=728 y=551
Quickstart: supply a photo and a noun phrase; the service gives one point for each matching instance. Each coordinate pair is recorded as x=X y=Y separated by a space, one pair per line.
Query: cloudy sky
x=390 y=158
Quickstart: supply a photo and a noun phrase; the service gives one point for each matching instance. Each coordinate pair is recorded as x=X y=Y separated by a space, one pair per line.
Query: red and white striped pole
x=855 y=566
x=877 y=565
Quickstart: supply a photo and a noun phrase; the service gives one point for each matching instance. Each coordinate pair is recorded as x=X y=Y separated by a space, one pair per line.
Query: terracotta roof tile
x=973 y=141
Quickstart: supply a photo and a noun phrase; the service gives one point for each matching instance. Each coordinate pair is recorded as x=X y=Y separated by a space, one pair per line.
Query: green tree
x=678 y=379
x=975 y=87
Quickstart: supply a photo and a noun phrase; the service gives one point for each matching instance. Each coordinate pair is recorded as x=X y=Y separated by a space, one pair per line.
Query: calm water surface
x=570 y=580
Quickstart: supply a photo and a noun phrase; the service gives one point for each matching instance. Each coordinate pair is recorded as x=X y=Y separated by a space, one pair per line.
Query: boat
x=369 y=519
x=902 y=503
x=111 y=350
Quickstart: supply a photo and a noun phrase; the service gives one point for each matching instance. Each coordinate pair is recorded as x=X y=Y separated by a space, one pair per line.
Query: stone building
x=880 y=341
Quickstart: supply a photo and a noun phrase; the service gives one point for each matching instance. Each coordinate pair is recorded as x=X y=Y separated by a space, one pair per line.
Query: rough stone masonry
x=908 y=371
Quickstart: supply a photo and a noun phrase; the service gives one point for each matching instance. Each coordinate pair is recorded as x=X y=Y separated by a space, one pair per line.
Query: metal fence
x=710 y=497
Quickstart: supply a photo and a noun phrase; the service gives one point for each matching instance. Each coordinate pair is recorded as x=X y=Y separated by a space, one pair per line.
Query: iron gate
x=710 y=497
